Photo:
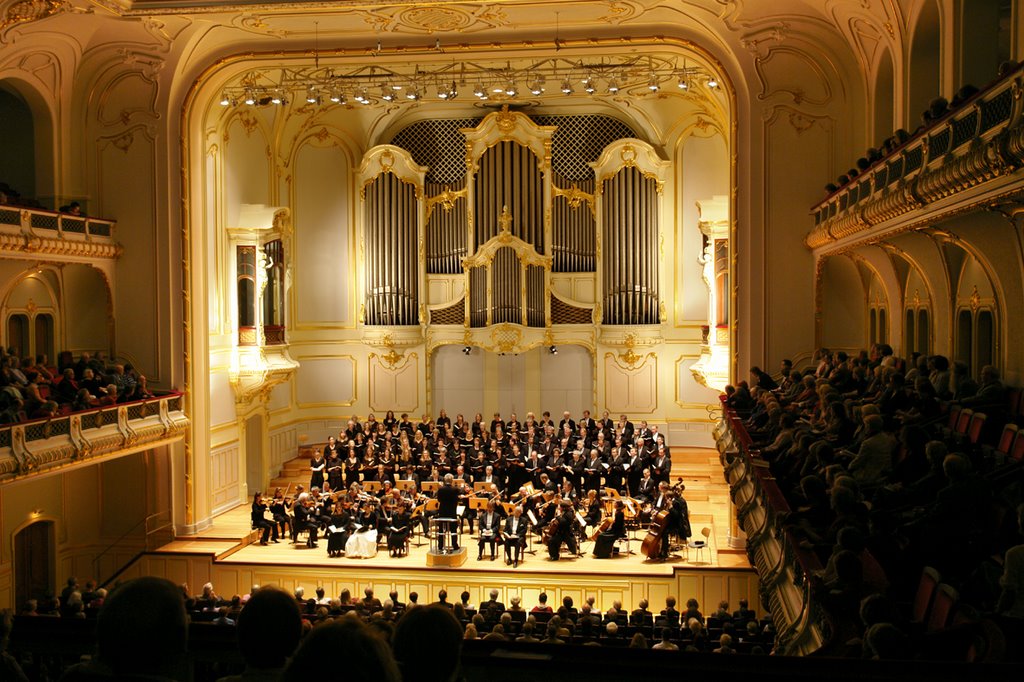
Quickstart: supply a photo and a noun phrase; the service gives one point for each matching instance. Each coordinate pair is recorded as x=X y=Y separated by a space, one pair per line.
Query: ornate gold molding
x=445 y=200
x=11 y=244
x=387 y=158
x=26 y=11
x=525 y=252
x=574 y=196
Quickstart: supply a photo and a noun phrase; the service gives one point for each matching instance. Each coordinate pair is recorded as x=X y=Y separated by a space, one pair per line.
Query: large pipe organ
x=485 y=246
x=470 y=250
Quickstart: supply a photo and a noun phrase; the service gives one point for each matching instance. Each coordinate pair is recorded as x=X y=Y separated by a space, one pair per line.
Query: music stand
x=478 y=503
x=372 y=486
x=406 y=486
x=482 y=485
x=534 y=528
x=430 y=486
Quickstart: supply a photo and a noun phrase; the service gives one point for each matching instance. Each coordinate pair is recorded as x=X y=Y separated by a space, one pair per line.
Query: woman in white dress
x=362 y=544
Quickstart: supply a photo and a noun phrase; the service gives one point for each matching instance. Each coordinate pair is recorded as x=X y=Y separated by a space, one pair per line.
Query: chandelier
x=371 y=85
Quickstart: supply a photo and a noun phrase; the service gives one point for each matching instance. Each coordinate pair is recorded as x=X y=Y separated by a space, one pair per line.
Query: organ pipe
x=630 y=236
x=392 y=272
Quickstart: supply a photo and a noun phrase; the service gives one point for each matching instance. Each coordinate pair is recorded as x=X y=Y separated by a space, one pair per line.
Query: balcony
x=31 y=232
x=34 y=447
x=978 y=142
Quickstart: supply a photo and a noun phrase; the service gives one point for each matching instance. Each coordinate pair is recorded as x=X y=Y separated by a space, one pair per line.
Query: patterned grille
x=453 y=314
x=895 y=169
x=963 y=129
x=5 y=438
x=996 y=110
x=563 y=313
x=914 y=158
x=865 y=190
x=10 y=217
x=44 y=221
x=439 y=145
x=938 y=144
x=580 y=140
x=174 y=404
x=76 y=225
x=100 y=229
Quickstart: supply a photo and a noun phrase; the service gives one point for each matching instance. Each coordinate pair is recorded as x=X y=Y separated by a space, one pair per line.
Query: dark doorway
x=33 y=562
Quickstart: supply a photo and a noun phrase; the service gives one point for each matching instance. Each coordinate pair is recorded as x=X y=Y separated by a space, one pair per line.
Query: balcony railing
x=38 y=230
x=783 y=566
x=44 y=444
x=980 y=140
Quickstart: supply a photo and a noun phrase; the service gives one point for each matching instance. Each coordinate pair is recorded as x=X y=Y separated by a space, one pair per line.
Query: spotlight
x=613 y=86
x=511 y=90
x=566 y=87
x=683 y=84
x=466 y=350
x=225 y=100
x=276 y=98
x=311 y=97
x=652 y=83
x=536 y=88
x=250 y=98
x=337 y=97
x=413 y=94
x=479 y=91
x=712 y=82
x=588 y=85
x=553 y=350
x=387 y=94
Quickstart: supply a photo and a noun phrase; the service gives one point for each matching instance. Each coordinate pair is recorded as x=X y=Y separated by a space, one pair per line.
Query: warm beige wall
x=94 y=508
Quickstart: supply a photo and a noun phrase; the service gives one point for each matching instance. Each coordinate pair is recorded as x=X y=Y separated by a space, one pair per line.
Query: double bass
x=651 y=547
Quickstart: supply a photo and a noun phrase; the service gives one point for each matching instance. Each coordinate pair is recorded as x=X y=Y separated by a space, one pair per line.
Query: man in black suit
x=490 y=524
x=635 y=471
x=646 y=491
x=567 y=419
x=516 y=530
x=447 y=505
x=589 y=423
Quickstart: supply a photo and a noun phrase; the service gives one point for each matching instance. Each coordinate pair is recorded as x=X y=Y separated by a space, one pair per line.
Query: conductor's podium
x=444 y=536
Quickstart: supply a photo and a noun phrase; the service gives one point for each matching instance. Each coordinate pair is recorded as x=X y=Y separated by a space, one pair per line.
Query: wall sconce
x=553 y=350
x=466 y=350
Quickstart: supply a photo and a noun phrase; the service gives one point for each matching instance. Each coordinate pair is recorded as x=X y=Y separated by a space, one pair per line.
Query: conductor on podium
x=447 y=504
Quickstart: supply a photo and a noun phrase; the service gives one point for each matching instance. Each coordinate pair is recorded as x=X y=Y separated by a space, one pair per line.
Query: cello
x=651 y=547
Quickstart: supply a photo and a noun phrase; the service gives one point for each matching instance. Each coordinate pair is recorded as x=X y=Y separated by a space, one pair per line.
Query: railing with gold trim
x=979 y=140
x=41 y=445
x=40 y=231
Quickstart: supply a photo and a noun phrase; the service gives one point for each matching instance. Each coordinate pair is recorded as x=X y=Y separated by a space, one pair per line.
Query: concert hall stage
x=229 y=555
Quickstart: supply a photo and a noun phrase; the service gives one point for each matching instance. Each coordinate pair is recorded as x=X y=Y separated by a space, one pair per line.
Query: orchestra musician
x=562 y=533
x=259 y=519
x=516 y=530
x=398 y=530
x=490 y=526
x=305 y=519
x=279 y=511
x=339 y=528
x=603 y=548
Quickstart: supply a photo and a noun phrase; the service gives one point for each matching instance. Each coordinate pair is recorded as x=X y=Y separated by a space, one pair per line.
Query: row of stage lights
x=449 y=92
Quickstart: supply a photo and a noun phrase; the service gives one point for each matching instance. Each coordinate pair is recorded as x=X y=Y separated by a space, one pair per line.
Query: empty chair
x=699 y=546
x=1017 y=449
x=1006 y=439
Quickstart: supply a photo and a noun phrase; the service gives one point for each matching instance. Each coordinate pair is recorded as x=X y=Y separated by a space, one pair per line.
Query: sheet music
x=335 y=529
x=606 y=466
x=533 y=518
x=460 y=510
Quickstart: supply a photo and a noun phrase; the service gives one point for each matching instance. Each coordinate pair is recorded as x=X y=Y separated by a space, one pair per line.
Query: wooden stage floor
x=227 y=556
x=230 y=541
